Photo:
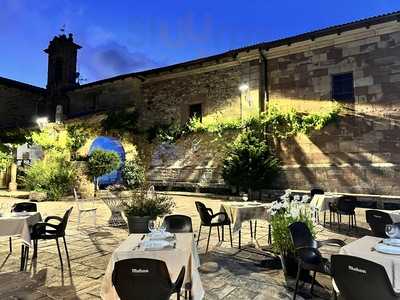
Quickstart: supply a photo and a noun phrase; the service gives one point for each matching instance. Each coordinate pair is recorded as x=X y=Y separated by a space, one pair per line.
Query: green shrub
x=133 y=174
x=143 y=204
x=78 y=135
x=54 y=176
x=250 y=163
x=5 y=160
x=280 y=221
x=121 y=121
x=102 y=162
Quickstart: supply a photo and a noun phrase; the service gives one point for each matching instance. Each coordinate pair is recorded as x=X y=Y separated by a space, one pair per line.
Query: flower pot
x=138 y=224
x=290 y=266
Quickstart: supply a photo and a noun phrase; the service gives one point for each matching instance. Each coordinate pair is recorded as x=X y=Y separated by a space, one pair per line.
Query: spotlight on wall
x=244 y=87
x=42 y=122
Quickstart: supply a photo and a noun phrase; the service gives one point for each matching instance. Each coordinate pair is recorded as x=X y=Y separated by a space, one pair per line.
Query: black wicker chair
x=209 y=219
x=346 y=207
x=21 y=207
x=49 y=231
x=145 y=279
x=308 y=256
x=178 y=223
x=377 y=221
x=361 y=279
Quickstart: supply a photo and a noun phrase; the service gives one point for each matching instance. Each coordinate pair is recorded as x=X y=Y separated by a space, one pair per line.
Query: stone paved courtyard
x=227 y=273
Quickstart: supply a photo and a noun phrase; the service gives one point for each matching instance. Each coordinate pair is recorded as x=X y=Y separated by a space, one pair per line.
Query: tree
x=102 y=162
x=250 y=163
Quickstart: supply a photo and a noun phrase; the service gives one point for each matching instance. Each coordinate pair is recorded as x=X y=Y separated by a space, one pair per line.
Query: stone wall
x=168 y=100
x=362 y=152
x=18 y=107
x=107 y=96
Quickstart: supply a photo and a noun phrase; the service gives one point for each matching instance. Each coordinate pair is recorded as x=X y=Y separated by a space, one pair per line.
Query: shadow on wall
x=358 y=154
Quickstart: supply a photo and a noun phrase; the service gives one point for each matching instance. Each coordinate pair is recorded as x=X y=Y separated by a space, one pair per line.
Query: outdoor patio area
x=226 y=273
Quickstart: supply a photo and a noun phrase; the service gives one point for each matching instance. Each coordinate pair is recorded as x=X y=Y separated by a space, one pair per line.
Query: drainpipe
x=263 y=87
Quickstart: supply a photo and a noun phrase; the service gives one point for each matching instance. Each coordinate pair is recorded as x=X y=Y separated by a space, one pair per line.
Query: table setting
x=175 y=249
x=384 y=251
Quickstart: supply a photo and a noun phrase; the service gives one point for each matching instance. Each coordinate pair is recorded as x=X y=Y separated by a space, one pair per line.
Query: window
x=343 y=87
x=195 y=110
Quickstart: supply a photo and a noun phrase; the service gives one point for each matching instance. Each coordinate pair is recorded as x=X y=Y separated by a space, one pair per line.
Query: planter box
x=37 y=196
x=138 y=224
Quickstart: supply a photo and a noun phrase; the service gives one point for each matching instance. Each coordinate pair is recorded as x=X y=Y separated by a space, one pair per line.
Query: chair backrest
x=316 y=191
x=301 y=235
x=63 y=225
x=24 y=206
x=347 y=204
x=178 y=223
x=142 y=278
x=360 y=279
x=204 y=213
x=377 y=221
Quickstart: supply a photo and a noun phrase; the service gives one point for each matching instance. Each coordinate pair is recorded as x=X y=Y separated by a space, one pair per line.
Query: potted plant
x=143 y=206
x=282 y=215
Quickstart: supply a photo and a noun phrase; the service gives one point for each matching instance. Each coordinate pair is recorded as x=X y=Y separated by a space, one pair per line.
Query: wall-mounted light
x=244 y=87
x=42 y=122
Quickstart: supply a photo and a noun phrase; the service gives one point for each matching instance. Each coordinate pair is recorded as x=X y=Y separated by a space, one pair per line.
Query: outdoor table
x=239 y=212
x=321 y=203
x=15 y=224
x=183 y=254
x=363 y=248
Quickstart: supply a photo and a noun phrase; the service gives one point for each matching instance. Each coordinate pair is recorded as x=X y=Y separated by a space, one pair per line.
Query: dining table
x=183 y=254
x=20 y=224
x=242 y=211
x=365 y=248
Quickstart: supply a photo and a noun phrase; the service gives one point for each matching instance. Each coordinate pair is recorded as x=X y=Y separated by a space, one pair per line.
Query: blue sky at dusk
x=124 y=36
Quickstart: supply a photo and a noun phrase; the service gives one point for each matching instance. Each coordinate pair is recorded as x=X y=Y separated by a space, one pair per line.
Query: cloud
x=113 y=58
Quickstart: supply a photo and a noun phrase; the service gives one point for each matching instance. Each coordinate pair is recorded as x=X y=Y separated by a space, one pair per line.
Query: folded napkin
x=154 y=245
x=159 y=235
x=383 y=248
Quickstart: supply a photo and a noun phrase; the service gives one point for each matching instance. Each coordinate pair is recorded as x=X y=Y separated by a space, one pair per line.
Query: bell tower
x=61 y=74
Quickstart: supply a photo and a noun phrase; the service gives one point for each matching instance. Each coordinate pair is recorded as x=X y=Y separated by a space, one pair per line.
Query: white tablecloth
x=184 y=254
x=11 y=224
x=321 y=202
x=362 y=248
x=239 y=212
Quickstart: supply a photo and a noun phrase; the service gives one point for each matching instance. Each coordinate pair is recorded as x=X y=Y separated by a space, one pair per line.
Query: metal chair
x=48 y=231
x=209 y=219
x=178 y=223
x=21 y=207
x=85 y=206
x=346 y=207
x=377 y=221
x=360 y=279
x=145 y=279
x=308 y=256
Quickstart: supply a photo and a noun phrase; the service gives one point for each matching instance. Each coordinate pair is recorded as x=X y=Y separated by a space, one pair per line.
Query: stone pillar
x=12 y=186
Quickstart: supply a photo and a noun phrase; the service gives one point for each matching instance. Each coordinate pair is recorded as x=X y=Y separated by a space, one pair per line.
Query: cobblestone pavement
x=227 y=273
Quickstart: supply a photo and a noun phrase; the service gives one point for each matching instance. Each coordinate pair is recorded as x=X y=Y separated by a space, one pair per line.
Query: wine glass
x=152 y=226
x=162 y=227
x=391 y=230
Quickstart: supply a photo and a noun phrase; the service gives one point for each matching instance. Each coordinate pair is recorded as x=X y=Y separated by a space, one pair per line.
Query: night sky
x=123 y=36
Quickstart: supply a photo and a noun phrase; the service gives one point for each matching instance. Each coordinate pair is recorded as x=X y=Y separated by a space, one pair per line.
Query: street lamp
x=42 y=122
x=244 y=87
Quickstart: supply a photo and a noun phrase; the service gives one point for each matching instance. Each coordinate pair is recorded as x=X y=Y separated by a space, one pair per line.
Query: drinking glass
x=152 y=225
x=391 y=230
x=162 y=226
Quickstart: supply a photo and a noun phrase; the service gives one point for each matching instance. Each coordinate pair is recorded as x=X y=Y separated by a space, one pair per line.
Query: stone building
x=357 y=64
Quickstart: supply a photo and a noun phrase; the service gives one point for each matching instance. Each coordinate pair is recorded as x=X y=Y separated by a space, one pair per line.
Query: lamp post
x=244 y=87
